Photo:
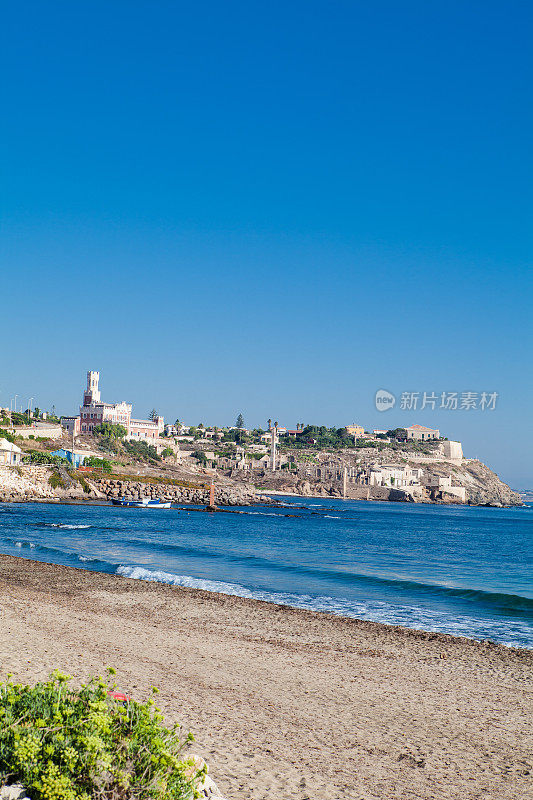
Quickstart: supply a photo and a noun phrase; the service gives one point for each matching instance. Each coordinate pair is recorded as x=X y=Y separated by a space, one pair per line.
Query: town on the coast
x=103 y=452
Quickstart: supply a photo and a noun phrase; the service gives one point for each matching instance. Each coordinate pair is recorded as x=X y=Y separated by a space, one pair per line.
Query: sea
x=460 y=570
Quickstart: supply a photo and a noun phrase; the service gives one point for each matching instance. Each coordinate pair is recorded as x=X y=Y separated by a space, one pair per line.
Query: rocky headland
x=237 y=488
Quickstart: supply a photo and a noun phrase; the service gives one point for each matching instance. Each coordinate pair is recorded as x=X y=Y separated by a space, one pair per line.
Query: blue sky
x=271 y=208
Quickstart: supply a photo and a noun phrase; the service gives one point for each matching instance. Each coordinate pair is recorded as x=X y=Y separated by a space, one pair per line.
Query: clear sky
x=275 y=208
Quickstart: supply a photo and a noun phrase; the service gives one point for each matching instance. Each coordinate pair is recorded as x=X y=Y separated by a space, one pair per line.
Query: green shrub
x=200 y=456
x=6 y=435
x=167 y=452
x=75 y=744
x=38 y=457
x=55 y=480
x=142 y=451
x=97 y=463
x=20 y=419
x=84 y=485
x=110 y=431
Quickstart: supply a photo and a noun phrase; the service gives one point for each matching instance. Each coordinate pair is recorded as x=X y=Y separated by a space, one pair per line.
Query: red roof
x=420 y=428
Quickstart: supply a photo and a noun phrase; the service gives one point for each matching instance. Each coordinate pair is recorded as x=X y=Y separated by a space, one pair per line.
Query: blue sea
x=458 y=570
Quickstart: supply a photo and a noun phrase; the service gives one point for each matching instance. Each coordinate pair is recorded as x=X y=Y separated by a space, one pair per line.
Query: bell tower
x=92 y=393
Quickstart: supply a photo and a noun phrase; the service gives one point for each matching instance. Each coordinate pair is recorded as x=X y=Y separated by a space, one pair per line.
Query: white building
x=394 y=476
x=10 y=454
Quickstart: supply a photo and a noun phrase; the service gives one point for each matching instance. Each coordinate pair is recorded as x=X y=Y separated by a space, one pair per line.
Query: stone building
x=452 y=450
x=422 y=433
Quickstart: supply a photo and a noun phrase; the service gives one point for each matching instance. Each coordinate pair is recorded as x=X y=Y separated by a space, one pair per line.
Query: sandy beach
x=286 y=703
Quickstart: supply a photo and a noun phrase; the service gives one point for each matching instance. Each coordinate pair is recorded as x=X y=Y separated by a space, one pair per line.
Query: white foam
x=140 y=573
x=408 y=616
x=68 y=527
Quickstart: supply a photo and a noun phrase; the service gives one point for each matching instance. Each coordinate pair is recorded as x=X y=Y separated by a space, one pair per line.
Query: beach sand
x=285 y=703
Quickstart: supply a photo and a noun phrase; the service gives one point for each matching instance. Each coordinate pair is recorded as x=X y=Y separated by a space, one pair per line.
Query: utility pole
x=273 y=438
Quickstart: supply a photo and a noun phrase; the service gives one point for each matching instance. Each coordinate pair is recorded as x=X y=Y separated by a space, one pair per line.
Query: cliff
x=484 y=487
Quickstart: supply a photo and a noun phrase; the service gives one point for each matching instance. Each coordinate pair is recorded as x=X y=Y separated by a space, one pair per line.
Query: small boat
x=146 y=502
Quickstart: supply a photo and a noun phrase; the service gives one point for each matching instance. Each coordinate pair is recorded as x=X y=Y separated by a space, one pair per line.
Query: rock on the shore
x=238 y=495
x=28 y=483
x=15 y=791
x=33 y=483
x=207 y=788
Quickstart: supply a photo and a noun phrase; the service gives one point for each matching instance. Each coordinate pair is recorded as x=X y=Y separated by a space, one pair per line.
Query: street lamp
x=30 y=400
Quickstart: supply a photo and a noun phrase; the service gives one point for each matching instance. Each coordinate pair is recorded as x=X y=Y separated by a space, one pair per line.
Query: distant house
x=378 y=432
x=10 y=454
x=394 y=476
x=420 y=432
x=71 y=425
x=355 y=430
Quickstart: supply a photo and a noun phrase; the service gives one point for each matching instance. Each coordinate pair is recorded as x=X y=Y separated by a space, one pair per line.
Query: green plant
x=63 y=743
x=109 y=431
x=142 y=451
x=56 y=481
x=200 y=456
x=38 y=457
x=167 y=452
x=6 y=435
x=83 y=483
x=18 y=418
x=97 y=463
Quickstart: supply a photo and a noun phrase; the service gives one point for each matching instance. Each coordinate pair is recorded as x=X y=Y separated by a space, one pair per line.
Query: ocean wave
x=510 y=603
x=143 y=574
x=262 y=513
x=511 y=633
x=65 y=526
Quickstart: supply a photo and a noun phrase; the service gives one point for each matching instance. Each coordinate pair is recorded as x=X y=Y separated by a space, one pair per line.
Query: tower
x=92 y=393
x=273 y=442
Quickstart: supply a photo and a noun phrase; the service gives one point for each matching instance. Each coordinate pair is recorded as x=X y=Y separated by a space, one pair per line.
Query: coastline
x=284 y=702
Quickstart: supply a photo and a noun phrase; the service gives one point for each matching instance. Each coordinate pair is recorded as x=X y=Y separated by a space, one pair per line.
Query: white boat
x=146 y=502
